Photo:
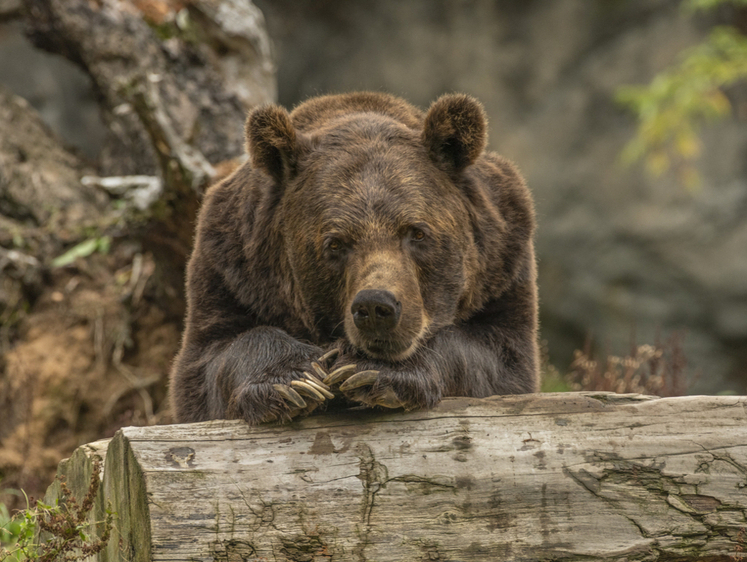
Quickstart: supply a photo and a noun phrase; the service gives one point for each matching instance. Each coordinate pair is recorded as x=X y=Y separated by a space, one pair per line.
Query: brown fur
x=352 y=193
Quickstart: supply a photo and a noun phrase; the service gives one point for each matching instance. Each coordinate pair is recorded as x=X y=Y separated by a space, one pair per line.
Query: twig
x=184 y=168
x=142 y=191
x=18 y=259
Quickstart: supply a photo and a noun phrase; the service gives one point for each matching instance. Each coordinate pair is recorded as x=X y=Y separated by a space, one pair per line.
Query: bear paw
x=304 y=395
x=377 y=395
x=385 y=387
x=280 y=398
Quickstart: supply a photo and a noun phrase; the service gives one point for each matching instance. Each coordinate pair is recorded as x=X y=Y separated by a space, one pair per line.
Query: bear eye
x=334 y=247
x=418 y=232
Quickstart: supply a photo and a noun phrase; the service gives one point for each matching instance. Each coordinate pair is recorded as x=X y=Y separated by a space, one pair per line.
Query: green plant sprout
x=71 y=535
x=101 y=244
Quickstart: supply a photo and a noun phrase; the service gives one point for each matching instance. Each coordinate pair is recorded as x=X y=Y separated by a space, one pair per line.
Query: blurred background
x=627 y=118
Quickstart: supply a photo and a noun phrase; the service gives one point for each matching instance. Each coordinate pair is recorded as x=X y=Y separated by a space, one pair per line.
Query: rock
x=190 y=56
x=42 y=205
x=39 y=179
x=170 y=97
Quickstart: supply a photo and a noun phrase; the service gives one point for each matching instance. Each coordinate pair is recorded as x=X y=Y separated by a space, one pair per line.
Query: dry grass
x=657 y=369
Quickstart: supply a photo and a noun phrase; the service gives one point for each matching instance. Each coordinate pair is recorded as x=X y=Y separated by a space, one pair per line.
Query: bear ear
x=455 y=131
x=271 y=141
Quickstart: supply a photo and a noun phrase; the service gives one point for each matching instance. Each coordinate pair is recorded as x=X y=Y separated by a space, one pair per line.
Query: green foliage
x=553 y=381
x=672 y=109
x=181 y=26
x=694 y=5
x=101 y=244
x=70 y=535
x=13 y=531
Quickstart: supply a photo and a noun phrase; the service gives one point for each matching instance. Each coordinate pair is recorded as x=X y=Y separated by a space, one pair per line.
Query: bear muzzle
x=376 y=312
x=380 y=329
x=384 y=316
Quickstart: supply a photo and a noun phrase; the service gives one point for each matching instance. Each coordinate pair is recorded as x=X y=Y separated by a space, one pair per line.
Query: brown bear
x=366 y=253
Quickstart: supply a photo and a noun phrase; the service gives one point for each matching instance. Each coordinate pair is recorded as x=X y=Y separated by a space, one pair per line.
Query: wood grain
x=576 y=476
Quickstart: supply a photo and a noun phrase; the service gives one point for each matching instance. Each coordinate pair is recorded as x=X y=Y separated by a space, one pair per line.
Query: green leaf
x=104 y=244
x=82 y=250
x=695 y=5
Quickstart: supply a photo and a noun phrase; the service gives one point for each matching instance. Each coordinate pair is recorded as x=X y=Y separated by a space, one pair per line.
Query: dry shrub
x=657 y=369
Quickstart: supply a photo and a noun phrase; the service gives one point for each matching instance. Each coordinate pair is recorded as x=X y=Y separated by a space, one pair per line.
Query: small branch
x=183 y=167
x=141 y=191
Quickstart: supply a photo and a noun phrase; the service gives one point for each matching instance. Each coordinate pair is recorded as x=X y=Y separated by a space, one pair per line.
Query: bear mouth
x=391 y=350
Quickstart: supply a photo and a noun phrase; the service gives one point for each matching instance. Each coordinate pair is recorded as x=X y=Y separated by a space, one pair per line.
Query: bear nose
x=375 y=310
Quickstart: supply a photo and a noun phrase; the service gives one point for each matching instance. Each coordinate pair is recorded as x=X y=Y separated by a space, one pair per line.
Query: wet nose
x=375 y=310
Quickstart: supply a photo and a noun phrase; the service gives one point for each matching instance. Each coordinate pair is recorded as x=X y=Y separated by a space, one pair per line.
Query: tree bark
x=579 y=476
x=183 y=53
x=175 y=79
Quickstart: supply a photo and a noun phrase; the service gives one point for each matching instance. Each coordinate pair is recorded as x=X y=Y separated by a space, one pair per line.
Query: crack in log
x=232 y=549
x=305 y=548
x=703 y=467
x=728 y=459
x=261 y=517
x=584 y=483
x=696 y=507
x=374 y=476
x=424 y=484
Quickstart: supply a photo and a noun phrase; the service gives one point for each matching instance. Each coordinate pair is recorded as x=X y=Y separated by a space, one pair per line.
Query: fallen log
x=576 y=476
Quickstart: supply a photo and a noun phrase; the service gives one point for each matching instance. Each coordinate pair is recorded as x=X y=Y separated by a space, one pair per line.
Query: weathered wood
x=579 y=476
x=76 y=472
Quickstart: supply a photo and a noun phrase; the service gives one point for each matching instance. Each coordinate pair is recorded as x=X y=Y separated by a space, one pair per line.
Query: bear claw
x=339 y=374
x=360 y=379
x=315 y=379
x=307 y=389
x=319 y=372
x=290 y=395
x=331 y=354
x=319 y=387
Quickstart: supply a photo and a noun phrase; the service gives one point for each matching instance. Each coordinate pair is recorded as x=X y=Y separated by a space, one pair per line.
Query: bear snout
x=379 y=325
x=376 y=312
x=384 y=316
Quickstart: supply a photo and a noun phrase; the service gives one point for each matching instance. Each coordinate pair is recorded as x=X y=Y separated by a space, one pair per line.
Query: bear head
x=375 y=211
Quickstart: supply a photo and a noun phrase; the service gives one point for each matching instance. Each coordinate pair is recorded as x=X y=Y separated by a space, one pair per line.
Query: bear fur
x=363 y=225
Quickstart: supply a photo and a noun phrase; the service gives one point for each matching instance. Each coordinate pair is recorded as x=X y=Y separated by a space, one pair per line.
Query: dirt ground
x=92 y=357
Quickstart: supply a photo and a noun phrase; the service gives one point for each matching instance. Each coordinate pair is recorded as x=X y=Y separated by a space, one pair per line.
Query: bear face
x=365 y=247
x=375 y=237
